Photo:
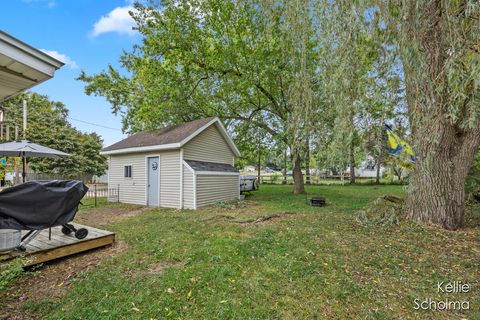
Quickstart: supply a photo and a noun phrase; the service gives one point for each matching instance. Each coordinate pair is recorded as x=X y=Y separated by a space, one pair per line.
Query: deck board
x=42 y=249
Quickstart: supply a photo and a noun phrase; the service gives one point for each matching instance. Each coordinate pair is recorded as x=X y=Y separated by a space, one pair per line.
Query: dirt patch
x=51 y=280
x=251 y=221
x=159 y=267
x=102 y=217
x=238 y=205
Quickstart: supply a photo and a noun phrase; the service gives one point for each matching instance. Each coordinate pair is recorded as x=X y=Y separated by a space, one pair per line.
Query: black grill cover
x=37 y=205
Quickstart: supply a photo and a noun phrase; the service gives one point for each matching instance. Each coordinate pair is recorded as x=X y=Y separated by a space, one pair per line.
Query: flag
x=396 y=146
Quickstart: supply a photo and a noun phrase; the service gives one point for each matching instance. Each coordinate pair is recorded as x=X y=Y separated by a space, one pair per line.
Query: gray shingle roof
x=171 y=134
x=210 y=166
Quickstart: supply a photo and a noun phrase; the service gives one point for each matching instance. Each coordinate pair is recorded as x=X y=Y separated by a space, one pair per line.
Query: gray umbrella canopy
x=26 y=148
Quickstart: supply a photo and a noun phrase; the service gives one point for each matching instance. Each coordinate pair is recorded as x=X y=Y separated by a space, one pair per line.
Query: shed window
x=127 y=171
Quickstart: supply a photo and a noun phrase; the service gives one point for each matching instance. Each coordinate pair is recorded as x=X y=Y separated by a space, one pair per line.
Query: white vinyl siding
x=132 y=190
x=188 y=197
x=214 y=188
x=209 y=146
x=170 y=179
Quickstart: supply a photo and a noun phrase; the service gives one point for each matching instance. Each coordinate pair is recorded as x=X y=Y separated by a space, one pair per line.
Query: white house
x=368 y=169
x=22 y=66
x=189 y=165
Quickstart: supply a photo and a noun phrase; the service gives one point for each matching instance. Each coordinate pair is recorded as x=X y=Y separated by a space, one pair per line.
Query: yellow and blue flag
x=396 y=146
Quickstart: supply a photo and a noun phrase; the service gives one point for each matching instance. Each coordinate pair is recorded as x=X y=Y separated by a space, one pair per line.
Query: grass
x=317 y=264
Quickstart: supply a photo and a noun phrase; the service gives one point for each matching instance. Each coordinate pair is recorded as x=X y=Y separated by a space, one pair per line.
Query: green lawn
x=317 y=264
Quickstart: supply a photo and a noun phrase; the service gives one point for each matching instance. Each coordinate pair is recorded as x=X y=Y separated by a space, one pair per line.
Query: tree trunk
x=444 y=147
x=352 y=163
x=436 y=193
x=259 y=158
x=259 y=175
x=307 y=161
x=298 y=184
x=377 y=178
x=399 y=172
x=285 y=167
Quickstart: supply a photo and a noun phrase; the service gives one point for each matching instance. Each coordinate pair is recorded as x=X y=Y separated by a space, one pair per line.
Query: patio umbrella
x=25 y=148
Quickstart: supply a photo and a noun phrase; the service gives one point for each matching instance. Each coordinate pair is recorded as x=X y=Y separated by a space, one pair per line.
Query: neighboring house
x=100 y=179
x=368 y=169
x=249 y=169
x=189 y=165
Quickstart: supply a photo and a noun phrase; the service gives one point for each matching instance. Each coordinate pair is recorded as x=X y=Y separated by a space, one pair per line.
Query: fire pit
x=318 y=201
x=315 y=201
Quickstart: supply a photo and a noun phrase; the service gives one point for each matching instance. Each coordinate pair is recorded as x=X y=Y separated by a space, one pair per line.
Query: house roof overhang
x=22 y=66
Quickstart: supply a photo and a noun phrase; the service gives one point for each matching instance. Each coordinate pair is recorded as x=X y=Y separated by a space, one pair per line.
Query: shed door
x=153 y=181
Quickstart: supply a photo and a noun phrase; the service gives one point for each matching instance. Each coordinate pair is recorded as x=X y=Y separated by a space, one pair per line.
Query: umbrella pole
x=24 y=163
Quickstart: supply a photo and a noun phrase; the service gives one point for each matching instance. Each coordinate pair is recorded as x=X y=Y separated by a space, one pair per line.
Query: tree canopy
x=48 y=125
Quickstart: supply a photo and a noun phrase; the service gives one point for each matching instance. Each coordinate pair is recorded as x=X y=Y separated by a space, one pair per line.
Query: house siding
x=209 y=146
x=188 y=190
x=169 y=179
x=133 y=190
x=214 y=188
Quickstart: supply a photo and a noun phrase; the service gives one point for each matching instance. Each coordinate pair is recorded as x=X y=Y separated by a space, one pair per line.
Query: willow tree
x=440 y=51
x=299 y=54
x=349 y=52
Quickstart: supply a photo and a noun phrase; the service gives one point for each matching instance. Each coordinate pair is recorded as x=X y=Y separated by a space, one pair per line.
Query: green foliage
x=48 y=125
x=251 y=63
x=230 y=204
x=473 y=180
x=10 y=271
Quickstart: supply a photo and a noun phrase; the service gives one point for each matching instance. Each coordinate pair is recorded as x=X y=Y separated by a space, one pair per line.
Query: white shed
x=183 y=166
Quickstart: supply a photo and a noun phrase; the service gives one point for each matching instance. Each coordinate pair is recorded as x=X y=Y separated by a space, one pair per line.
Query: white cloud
x=62 y=57
x=118 y=20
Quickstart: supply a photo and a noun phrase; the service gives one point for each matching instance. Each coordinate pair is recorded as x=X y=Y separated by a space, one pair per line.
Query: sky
x=85 y=34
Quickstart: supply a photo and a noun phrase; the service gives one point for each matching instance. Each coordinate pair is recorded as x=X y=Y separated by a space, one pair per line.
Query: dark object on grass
x=315 y=201
x=38 y=205
x=476 y=196
x=318 y=201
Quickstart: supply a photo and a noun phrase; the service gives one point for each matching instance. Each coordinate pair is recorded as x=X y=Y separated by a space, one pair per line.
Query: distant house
x=368 y=169
x=189 y=165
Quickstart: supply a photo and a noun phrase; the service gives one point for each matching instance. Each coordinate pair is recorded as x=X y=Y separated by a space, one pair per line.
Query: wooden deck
x=41 y=249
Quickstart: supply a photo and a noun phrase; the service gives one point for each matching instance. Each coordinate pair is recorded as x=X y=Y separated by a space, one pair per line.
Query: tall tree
x=214 y=58
x=440 y=50
x=350 y=52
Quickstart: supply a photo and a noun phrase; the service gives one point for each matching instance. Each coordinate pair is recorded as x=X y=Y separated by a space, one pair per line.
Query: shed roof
x=210 y=166
x=22 y=66
x=171 y=137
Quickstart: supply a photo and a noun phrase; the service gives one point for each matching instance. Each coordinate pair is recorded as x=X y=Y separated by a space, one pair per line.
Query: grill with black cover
x=38 y=205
